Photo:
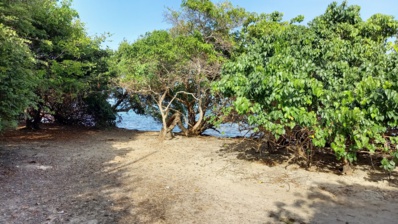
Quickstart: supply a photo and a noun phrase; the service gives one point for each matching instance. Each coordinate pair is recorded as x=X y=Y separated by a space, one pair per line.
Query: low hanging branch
x=175 y=119
x=175 y=73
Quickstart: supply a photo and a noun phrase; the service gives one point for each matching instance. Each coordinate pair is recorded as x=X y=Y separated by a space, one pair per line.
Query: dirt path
x=61 y=175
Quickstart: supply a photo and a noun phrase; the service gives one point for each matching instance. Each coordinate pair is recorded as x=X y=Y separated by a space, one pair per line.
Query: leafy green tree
x=161 y=68
x=214 y=23
x=173 y=70
x=16 y=77
x=333 y=82
x=69 y=66
x=73 y=64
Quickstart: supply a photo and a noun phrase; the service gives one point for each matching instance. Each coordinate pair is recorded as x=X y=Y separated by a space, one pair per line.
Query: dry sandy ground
x=64 y=175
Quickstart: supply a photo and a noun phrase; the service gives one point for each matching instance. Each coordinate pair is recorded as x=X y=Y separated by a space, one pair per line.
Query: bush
x=336 y=80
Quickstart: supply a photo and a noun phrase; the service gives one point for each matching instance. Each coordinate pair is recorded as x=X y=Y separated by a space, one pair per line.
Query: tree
x=214 y=23
x=331 y=83
x=74 y=66
x=69 y=67
x=16 y=77
x=174 y=70
x=162 y=69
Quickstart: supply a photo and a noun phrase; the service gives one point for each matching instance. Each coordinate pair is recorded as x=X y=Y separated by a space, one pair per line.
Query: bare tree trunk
x=163 y=132
x=171 y=123
x=199 y=122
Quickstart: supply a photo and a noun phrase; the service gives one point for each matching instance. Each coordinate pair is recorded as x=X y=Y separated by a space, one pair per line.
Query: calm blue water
x=133 y=121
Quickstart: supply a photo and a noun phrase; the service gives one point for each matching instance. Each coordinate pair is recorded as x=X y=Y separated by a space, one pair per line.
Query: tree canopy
x=17 y=79
x=51 y=65
x=170 y=73
x=173 y=69
x=333 y=82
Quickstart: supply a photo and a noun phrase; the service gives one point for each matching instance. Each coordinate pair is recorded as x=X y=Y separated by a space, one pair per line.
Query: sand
x=78 y=175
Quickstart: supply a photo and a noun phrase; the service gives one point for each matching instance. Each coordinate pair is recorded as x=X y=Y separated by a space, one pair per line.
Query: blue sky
x=128 y=19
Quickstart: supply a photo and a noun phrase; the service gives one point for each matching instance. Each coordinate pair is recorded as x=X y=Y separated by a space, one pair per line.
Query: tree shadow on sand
x=68 y=175
x=340 y=203
x=321 y=160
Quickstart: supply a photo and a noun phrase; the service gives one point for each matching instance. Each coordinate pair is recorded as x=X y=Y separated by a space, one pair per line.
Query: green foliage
x=149 y=60
x=159 y=59
x=170 y=73
x=390 y=161
x=214 y=23
x=54 y=55
x=336 y=78
x=16 y=77
x=172 y=70
x=100 y=109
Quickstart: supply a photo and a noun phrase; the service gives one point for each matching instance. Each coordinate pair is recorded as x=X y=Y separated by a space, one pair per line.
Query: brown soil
x=75 y=175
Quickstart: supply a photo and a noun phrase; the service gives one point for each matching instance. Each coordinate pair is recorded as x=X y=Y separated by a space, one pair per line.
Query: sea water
x=132 y=121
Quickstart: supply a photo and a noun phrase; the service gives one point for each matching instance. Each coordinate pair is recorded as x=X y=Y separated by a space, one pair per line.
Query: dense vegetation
x=172 y=70
x=50 y=66
x=330 y=83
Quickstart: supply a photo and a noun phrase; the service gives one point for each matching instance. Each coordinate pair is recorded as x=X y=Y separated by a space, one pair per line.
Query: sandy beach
x=78 y=175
